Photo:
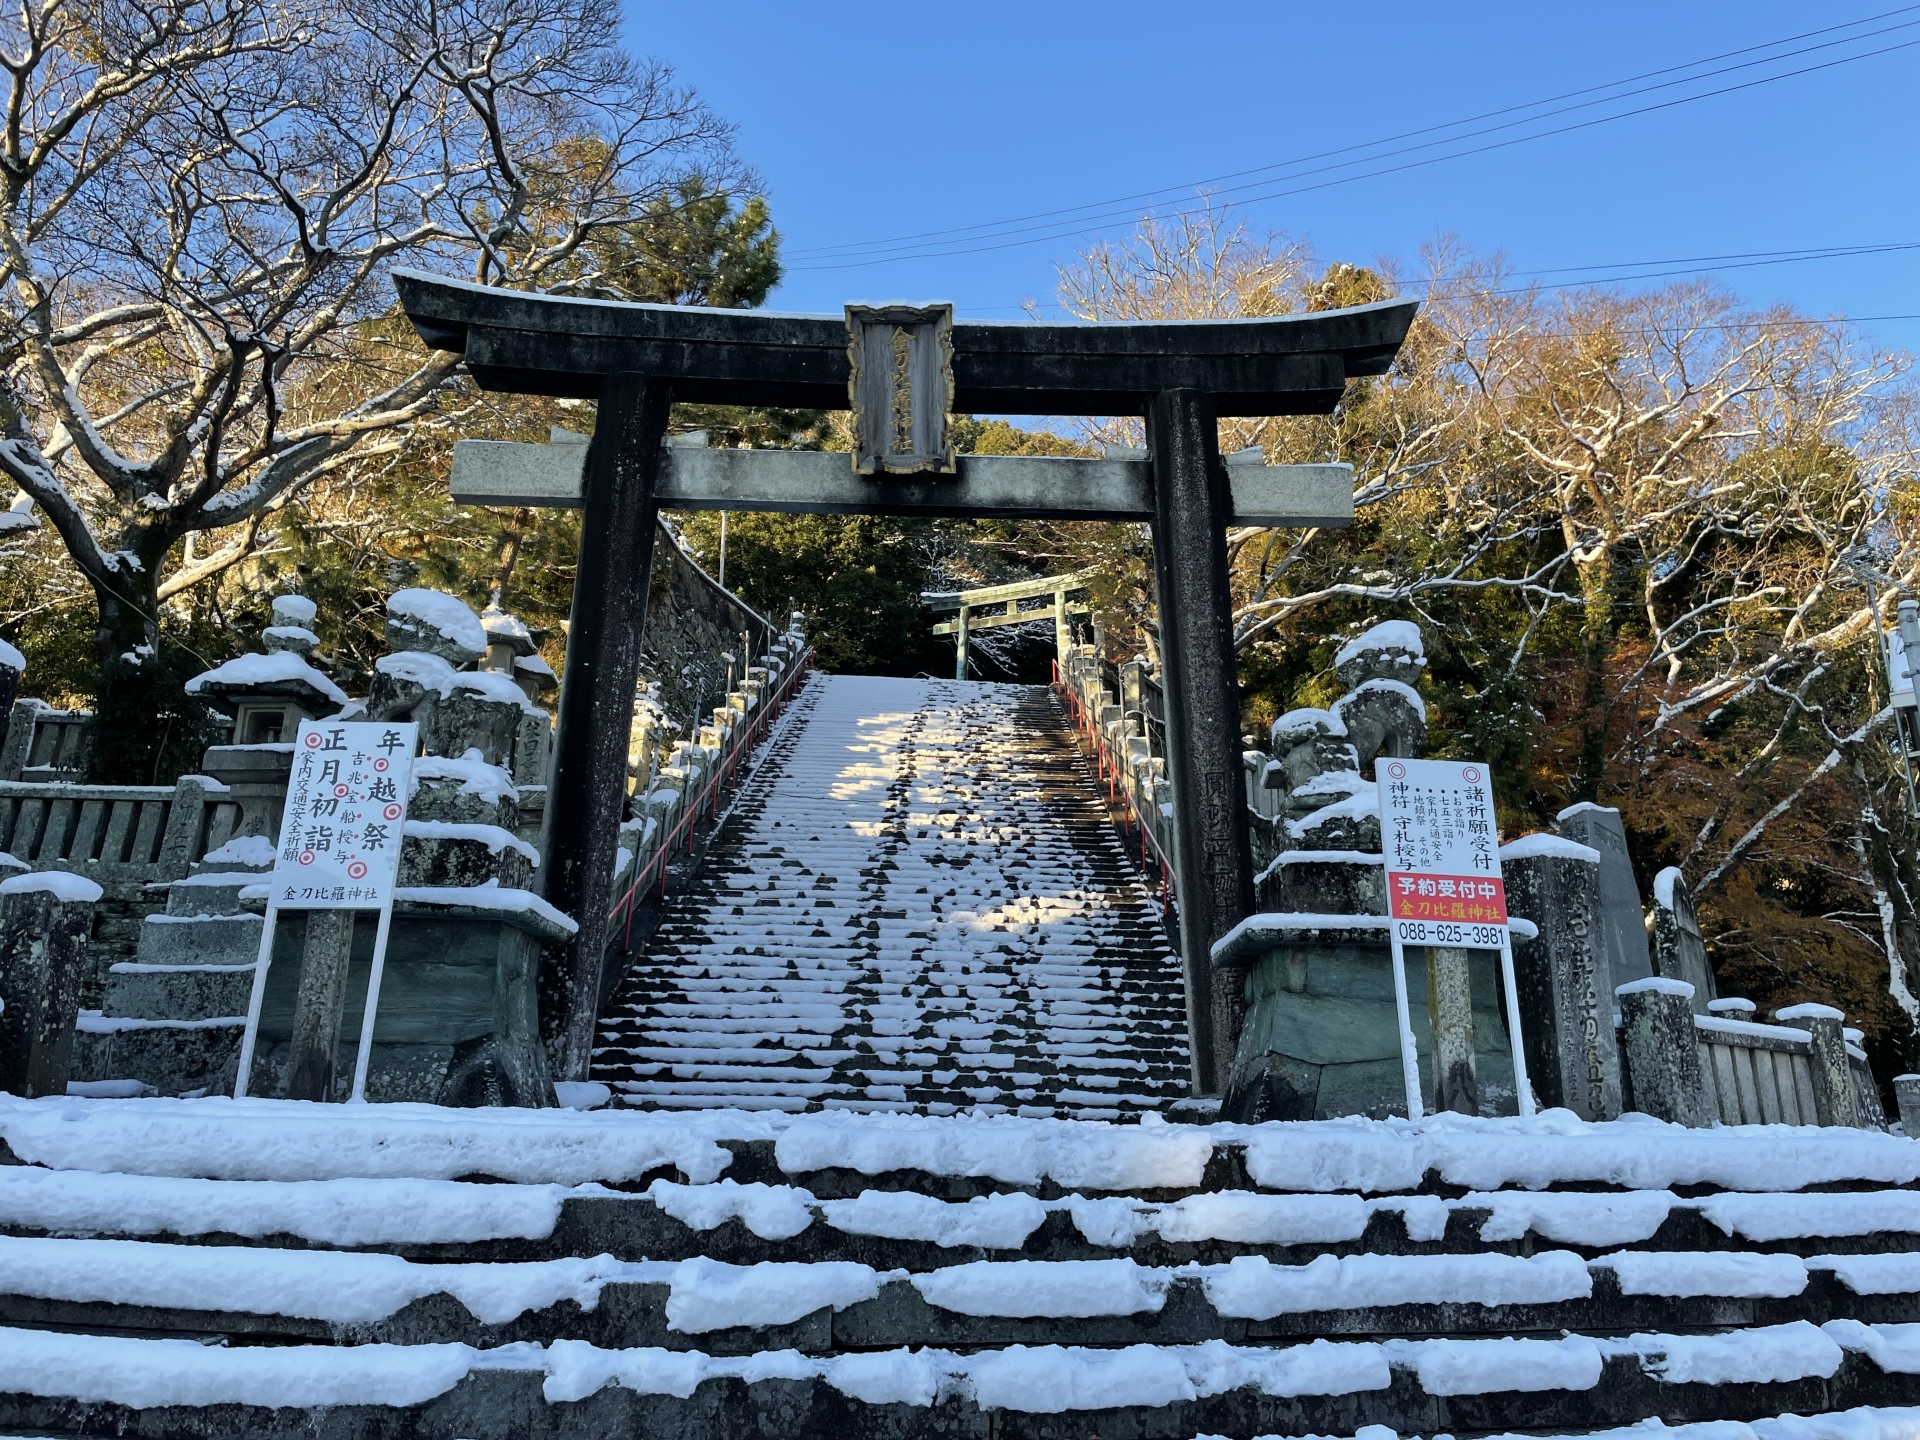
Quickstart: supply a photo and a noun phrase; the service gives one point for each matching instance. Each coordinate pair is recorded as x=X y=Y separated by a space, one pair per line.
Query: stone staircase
x=173 y=1014
x=200 y=1268
x=917 y=903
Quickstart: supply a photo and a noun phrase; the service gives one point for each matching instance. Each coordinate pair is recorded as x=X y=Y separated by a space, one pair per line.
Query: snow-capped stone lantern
x=1382 y=712
x=269 y=694
x=434 y=637
x=512 y=650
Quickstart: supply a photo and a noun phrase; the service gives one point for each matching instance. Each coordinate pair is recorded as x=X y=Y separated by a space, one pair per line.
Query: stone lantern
x=268 y=695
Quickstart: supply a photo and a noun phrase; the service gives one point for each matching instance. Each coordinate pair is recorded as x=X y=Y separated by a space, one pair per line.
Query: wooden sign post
x=1444 y=890
x=340 y=839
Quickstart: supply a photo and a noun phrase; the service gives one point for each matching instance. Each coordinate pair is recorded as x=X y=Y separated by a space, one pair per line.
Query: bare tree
x=200 y=205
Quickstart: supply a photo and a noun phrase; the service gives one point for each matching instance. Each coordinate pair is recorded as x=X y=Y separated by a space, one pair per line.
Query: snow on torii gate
x=901 y=370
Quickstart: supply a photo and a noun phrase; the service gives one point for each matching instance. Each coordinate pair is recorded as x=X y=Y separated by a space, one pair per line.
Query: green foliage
x=693 y=246
x=857 y=579
x=146 y=729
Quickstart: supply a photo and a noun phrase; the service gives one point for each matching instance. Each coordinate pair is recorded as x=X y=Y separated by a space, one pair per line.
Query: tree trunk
x=128 y=601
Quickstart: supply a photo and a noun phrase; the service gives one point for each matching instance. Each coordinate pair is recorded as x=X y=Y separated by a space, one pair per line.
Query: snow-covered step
x=923 y=856
x=1867 y=1250
x=1625 y=1172
x=822 y=1306
x=71 y=1383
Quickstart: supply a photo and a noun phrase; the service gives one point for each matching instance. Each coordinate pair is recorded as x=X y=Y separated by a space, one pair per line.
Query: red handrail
x=707 y=798
x=1109 y=769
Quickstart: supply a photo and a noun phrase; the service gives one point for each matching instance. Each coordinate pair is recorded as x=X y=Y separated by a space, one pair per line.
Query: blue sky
x=870 y=121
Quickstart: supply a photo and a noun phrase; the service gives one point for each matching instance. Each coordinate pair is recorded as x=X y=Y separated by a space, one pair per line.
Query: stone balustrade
x=664 y=791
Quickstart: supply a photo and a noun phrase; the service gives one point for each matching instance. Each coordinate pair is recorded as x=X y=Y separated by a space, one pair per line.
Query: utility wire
x=996 y=242
x=1137 y=197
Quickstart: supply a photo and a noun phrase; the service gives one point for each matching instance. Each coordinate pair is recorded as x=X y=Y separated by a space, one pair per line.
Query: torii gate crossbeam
x=636 y=360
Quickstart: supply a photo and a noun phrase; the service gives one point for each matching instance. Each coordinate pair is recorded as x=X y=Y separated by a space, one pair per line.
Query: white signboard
x=340 y=839
x=346 y=804
x=1899 y=682
x=1444 y=889
x=1443 y=852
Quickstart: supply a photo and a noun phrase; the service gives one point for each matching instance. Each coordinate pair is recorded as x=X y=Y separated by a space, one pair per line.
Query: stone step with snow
x=825 y=1306
x=919 y=906
x=756 y=1221
x=66 y=1383
x=202 y=1268
x=212 y=892
x=200 y=939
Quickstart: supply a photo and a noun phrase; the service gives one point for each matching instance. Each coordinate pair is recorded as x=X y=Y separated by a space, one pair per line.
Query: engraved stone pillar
x=1906 y=1091
x=1573 y=1058
x=1212 y=853
x=1663 y=1050
x=1679 y=950
x=1450 y=1002
x=45 y=922
x=1834 y=1102
x=321 y=1001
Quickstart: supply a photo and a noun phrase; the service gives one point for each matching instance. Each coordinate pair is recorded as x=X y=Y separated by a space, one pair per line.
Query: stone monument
x=1623 y=928
x=1679 y=950
x=1321 y=1035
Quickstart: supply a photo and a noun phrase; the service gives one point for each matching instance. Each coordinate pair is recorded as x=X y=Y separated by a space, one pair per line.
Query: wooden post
x=319 y=1004
x=1450 y=1002
x=960 y=645
x=1212 y=855
x=587 y=791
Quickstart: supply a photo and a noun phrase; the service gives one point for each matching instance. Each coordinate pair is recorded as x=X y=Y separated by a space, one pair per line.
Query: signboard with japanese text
x=346 y=810
x=1444 y=891
x=1442 y=851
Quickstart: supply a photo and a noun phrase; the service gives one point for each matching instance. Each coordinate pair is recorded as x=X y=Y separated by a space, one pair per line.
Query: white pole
x=1409 y=1053
x=723 y=549
x=1523 y=1087
x=361 y=1061
x=254 y=1002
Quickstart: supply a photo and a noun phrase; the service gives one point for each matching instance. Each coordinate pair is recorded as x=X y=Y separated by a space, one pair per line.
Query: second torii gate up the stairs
x=901 y=371
x=969 y=609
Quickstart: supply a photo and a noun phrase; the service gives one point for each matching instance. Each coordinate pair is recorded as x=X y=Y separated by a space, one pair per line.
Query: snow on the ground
x=925 y=906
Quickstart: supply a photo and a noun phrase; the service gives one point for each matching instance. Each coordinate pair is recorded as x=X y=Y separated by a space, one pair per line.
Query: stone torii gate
x=901 y=370
x=970 y=612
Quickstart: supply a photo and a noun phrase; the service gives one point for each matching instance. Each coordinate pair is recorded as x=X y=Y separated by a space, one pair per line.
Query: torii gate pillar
x=1213 y=856
x=589 y=784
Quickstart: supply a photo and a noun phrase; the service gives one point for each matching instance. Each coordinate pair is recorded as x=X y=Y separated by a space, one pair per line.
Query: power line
x=1139 y=196
x=994 y=234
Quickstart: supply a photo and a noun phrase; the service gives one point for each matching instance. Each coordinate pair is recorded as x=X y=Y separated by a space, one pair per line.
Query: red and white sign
x=346 y=810
x=1442 y=847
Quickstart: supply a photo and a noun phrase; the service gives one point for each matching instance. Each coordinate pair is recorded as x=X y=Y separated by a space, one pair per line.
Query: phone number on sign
x=1427 y=932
